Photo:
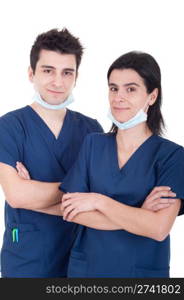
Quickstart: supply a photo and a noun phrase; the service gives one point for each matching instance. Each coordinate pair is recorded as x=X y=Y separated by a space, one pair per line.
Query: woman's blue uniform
x=118 y=253
x=37 y=244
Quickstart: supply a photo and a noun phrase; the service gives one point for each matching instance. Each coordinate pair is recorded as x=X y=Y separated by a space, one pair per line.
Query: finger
x=160 y=206
x=163 y=201
x=72 y=214
x=21 y=174
x=20 y=164
x=24 y=170
x=161 y=194
x=66 y=197
x=160 y=188
x=18 y=168
x=160 y=203
x=24 y=175
x=70 y=196
x=66 y=203
x=67 y=210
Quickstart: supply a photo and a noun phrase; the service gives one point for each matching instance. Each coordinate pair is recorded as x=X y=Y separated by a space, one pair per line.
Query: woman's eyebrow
x=131 y=83
x=126 y=84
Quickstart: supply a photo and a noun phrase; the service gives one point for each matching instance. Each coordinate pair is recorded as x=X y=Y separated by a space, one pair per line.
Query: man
x=46 y=138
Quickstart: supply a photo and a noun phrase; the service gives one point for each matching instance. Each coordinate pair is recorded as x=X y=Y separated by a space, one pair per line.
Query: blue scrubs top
x=40 y=247
x=118 y=253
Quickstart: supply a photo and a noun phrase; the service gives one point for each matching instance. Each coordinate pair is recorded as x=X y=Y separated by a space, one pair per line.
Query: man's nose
x=58 y=81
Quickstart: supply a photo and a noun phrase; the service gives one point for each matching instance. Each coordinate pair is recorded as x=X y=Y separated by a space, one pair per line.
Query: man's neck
x=48 y=113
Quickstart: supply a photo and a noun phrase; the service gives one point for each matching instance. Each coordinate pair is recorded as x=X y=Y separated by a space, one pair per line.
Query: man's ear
x=76 y=78
x=30 y=73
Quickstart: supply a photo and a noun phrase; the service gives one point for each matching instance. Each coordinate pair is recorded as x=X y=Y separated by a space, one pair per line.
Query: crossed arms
x=154 y=219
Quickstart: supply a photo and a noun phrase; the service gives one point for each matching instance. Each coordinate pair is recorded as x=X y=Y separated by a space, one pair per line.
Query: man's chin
x=54 y=102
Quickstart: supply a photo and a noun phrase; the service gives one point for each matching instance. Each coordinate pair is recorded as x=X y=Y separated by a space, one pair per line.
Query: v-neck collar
x=114 y=154
x=45 y=127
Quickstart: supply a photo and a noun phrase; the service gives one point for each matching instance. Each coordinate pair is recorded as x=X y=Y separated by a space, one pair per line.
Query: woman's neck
x=133 y=137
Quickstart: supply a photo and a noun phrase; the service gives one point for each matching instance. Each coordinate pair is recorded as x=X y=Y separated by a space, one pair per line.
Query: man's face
x=55 y=76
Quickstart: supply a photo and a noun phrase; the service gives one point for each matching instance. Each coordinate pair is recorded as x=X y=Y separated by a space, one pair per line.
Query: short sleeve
x=77 y=178
x=98 y=127
x=11 y=141
x=171 y=173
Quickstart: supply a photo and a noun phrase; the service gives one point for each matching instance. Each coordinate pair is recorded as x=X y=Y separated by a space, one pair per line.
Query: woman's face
x=128 y=94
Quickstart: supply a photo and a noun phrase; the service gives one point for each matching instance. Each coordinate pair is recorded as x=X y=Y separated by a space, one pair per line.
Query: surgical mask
x=140 y=117
x=39 y=100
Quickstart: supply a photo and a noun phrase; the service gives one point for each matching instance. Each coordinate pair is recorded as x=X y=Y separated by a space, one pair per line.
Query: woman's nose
x=120 y=96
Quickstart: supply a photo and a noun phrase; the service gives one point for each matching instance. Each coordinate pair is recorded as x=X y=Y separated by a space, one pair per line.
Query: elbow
x=160 y=235
x=14 y=200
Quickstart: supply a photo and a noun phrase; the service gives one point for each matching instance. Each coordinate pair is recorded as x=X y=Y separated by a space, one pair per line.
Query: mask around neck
x=140 y=117
x=37 y=98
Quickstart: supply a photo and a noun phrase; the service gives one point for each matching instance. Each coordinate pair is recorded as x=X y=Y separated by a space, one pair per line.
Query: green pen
x=15 y=235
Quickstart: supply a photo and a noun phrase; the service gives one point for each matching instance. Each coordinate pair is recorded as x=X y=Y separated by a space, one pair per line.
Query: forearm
x=139 y=221
x=92 y=219
x=51 y=210
x=28 y=194
x=31 y=194
x=96 y=220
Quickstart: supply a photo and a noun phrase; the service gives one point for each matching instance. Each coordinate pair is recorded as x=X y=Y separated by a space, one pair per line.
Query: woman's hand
x=154 y=200
x=74 y=203
x=22 y=171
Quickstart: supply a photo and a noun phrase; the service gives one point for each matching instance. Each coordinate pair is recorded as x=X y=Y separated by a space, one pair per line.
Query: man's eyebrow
x=69 y=69
x=47 y=66
x=51 y=67
x=112 y=84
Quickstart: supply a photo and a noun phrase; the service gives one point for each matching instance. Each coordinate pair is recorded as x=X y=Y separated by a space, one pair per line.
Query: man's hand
x=154 y=200
x=22 y=171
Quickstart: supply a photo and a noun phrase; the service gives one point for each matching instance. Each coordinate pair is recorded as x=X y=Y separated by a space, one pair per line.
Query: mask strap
x=146 y=106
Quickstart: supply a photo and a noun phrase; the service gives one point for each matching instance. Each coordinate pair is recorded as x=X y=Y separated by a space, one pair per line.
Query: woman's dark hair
x=147 y=67
x=61 y=41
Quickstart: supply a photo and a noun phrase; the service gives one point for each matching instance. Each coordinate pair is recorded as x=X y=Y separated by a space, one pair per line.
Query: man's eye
x=67 y=73
x=113 y=89
x=131 y=89
x=47 y=71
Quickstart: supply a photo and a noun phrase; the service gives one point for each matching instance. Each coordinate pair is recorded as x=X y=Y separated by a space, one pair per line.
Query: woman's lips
x=121 y=108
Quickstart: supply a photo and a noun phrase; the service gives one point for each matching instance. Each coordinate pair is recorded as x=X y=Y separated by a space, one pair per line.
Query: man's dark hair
x=147 y=67
x=61 y=41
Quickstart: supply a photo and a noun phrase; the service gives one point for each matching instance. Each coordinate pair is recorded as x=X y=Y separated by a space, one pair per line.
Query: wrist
x=100 y=201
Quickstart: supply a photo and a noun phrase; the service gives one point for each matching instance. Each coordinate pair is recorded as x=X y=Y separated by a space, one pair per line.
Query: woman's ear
x=153 y=96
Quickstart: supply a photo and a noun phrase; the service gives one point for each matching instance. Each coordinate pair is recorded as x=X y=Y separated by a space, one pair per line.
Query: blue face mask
x=140 y=117
x=39 y=100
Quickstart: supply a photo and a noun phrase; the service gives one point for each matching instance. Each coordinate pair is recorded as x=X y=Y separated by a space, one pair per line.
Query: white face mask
x=39 y=100
x=140 y=117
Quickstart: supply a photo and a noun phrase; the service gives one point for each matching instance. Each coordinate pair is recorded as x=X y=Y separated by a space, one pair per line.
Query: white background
x=107 y=29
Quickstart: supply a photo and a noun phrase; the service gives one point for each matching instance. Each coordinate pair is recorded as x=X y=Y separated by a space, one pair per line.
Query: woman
x=115 y=172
